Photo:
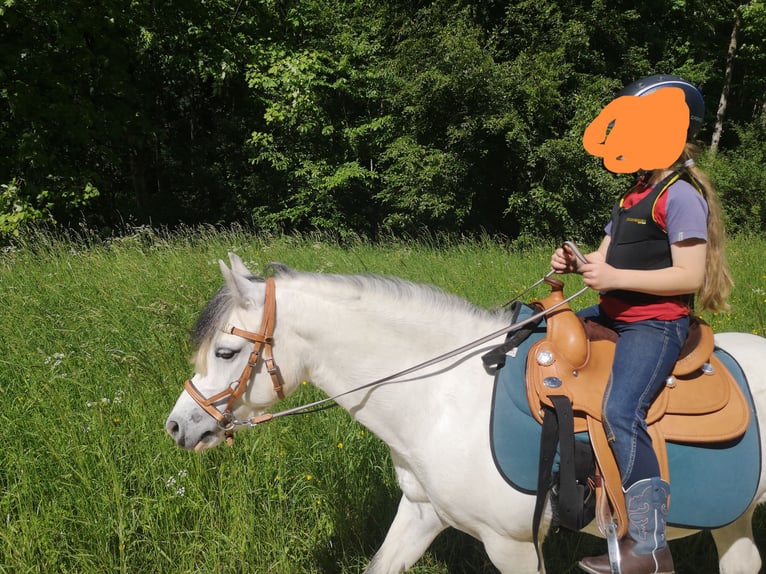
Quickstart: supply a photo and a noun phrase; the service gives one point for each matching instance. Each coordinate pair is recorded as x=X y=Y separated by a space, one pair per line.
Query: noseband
x=262 y=349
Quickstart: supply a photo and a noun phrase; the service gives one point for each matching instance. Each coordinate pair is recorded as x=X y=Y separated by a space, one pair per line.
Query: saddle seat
x=701 y=402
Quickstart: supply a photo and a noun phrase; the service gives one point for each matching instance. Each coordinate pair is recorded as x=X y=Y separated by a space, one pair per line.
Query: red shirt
x=690 y=208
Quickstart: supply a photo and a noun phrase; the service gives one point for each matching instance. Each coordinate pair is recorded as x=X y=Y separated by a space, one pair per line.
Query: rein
x=577 y=253
x=262 y=349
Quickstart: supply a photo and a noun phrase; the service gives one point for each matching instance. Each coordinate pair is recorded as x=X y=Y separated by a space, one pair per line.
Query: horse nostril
x=172 y=428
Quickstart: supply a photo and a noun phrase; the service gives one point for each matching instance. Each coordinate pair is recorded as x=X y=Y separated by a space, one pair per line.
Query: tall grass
x=93 y=352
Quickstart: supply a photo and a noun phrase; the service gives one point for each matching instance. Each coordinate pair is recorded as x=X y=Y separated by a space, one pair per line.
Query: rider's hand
x=564 y=260
x=599 y=275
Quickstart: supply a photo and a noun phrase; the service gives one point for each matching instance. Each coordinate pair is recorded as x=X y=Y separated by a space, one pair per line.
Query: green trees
x=354 y=116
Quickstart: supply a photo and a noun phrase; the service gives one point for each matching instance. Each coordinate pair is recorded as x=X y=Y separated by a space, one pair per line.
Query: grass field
x=93 y=353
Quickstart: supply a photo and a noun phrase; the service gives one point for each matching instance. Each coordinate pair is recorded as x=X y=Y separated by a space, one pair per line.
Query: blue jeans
x=645 y=354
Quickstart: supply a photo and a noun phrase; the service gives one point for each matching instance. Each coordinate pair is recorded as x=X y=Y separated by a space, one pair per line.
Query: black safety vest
x=638 y=241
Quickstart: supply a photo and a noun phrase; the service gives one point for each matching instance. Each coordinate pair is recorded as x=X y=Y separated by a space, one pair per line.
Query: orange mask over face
x=647 y=132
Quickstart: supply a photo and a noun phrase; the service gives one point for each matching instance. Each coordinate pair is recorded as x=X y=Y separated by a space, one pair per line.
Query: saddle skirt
x=703 y=410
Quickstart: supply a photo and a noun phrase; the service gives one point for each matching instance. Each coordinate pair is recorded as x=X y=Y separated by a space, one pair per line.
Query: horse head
x=236 y=377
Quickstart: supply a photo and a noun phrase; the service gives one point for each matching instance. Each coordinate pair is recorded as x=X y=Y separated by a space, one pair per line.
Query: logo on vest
x=636 y=220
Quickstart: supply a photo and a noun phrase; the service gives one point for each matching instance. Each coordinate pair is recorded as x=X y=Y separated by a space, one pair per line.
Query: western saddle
x=701 y=402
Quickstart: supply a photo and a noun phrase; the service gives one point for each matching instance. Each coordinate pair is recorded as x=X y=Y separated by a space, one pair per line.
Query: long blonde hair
x=718 y=282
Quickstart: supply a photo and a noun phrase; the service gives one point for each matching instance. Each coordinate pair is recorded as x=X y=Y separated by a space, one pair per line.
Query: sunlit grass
x=94 y=351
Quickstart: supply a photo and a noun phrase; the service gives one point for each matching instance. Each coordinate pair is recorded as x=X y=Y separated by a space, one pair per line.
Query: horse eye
x=224 y=353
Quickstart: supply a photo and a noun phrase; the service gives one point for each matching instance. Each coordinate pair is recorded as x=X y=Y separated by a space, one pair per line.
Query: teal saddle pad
x=711 y=484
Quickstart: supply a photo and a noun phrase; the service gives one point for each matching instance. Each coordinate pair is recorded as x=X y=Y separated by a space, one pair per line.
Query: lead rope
x=312 y=407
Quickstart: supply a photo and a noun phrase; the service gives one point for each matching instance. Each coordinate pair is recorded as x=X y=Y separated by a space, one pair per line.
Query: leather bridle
x=262 y=350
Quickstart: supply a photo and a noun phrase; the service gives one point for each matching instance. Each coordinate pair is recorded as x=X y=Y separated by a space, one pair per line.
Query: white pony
x=340 y=332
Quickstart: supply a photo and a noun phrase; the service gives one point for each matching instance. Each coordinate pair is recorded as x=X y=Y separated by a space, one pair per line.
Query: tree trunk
x=730 y=55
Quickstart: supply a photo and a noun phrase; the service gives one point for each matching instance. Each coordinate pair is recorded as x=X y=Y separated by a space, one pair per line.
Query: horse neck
x=347 y=336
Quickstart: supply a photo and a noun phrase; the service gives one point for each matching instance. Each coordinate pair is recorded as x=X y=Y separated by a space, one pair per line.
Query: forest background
x=357 y=117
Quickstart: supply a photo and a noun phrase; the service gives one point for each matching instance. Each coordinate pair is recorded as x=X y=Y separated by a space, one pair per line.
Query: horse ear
x=243 y=289
x=238 y=266
x=227 y=276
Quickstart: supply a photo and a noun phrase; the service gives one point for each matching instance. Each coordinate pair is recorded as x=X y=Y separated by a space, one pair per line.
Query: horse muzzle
x=194 y=435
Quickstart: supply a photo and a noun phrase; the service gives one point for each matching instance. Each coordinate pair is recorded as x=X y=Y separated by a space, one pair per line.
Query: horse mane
x=395 y=289
x=352 y=287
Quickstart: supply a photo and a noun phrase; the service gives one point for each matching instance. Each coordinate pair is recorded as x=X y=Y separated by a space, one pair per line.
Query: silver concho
x=545 y=358
x=552 y=382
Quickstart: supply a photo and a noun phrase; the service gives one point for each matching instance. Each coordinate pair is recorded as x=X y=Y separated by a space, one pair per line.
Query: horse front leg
x=737 y=552
x=414 y=528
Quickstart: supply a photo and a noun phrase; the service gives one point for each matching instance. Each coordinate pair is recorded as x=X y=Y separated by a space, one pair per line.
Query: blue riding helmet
x=694 y=99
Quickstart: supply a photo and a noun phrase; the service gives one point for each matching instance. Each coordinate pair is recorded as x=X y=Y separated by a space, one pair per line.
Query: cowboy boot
x=644 y=550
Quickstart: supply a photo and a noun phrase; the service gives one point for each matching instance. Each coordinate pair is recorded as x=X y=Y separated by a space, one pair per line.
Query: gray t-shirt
x=684 y=215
